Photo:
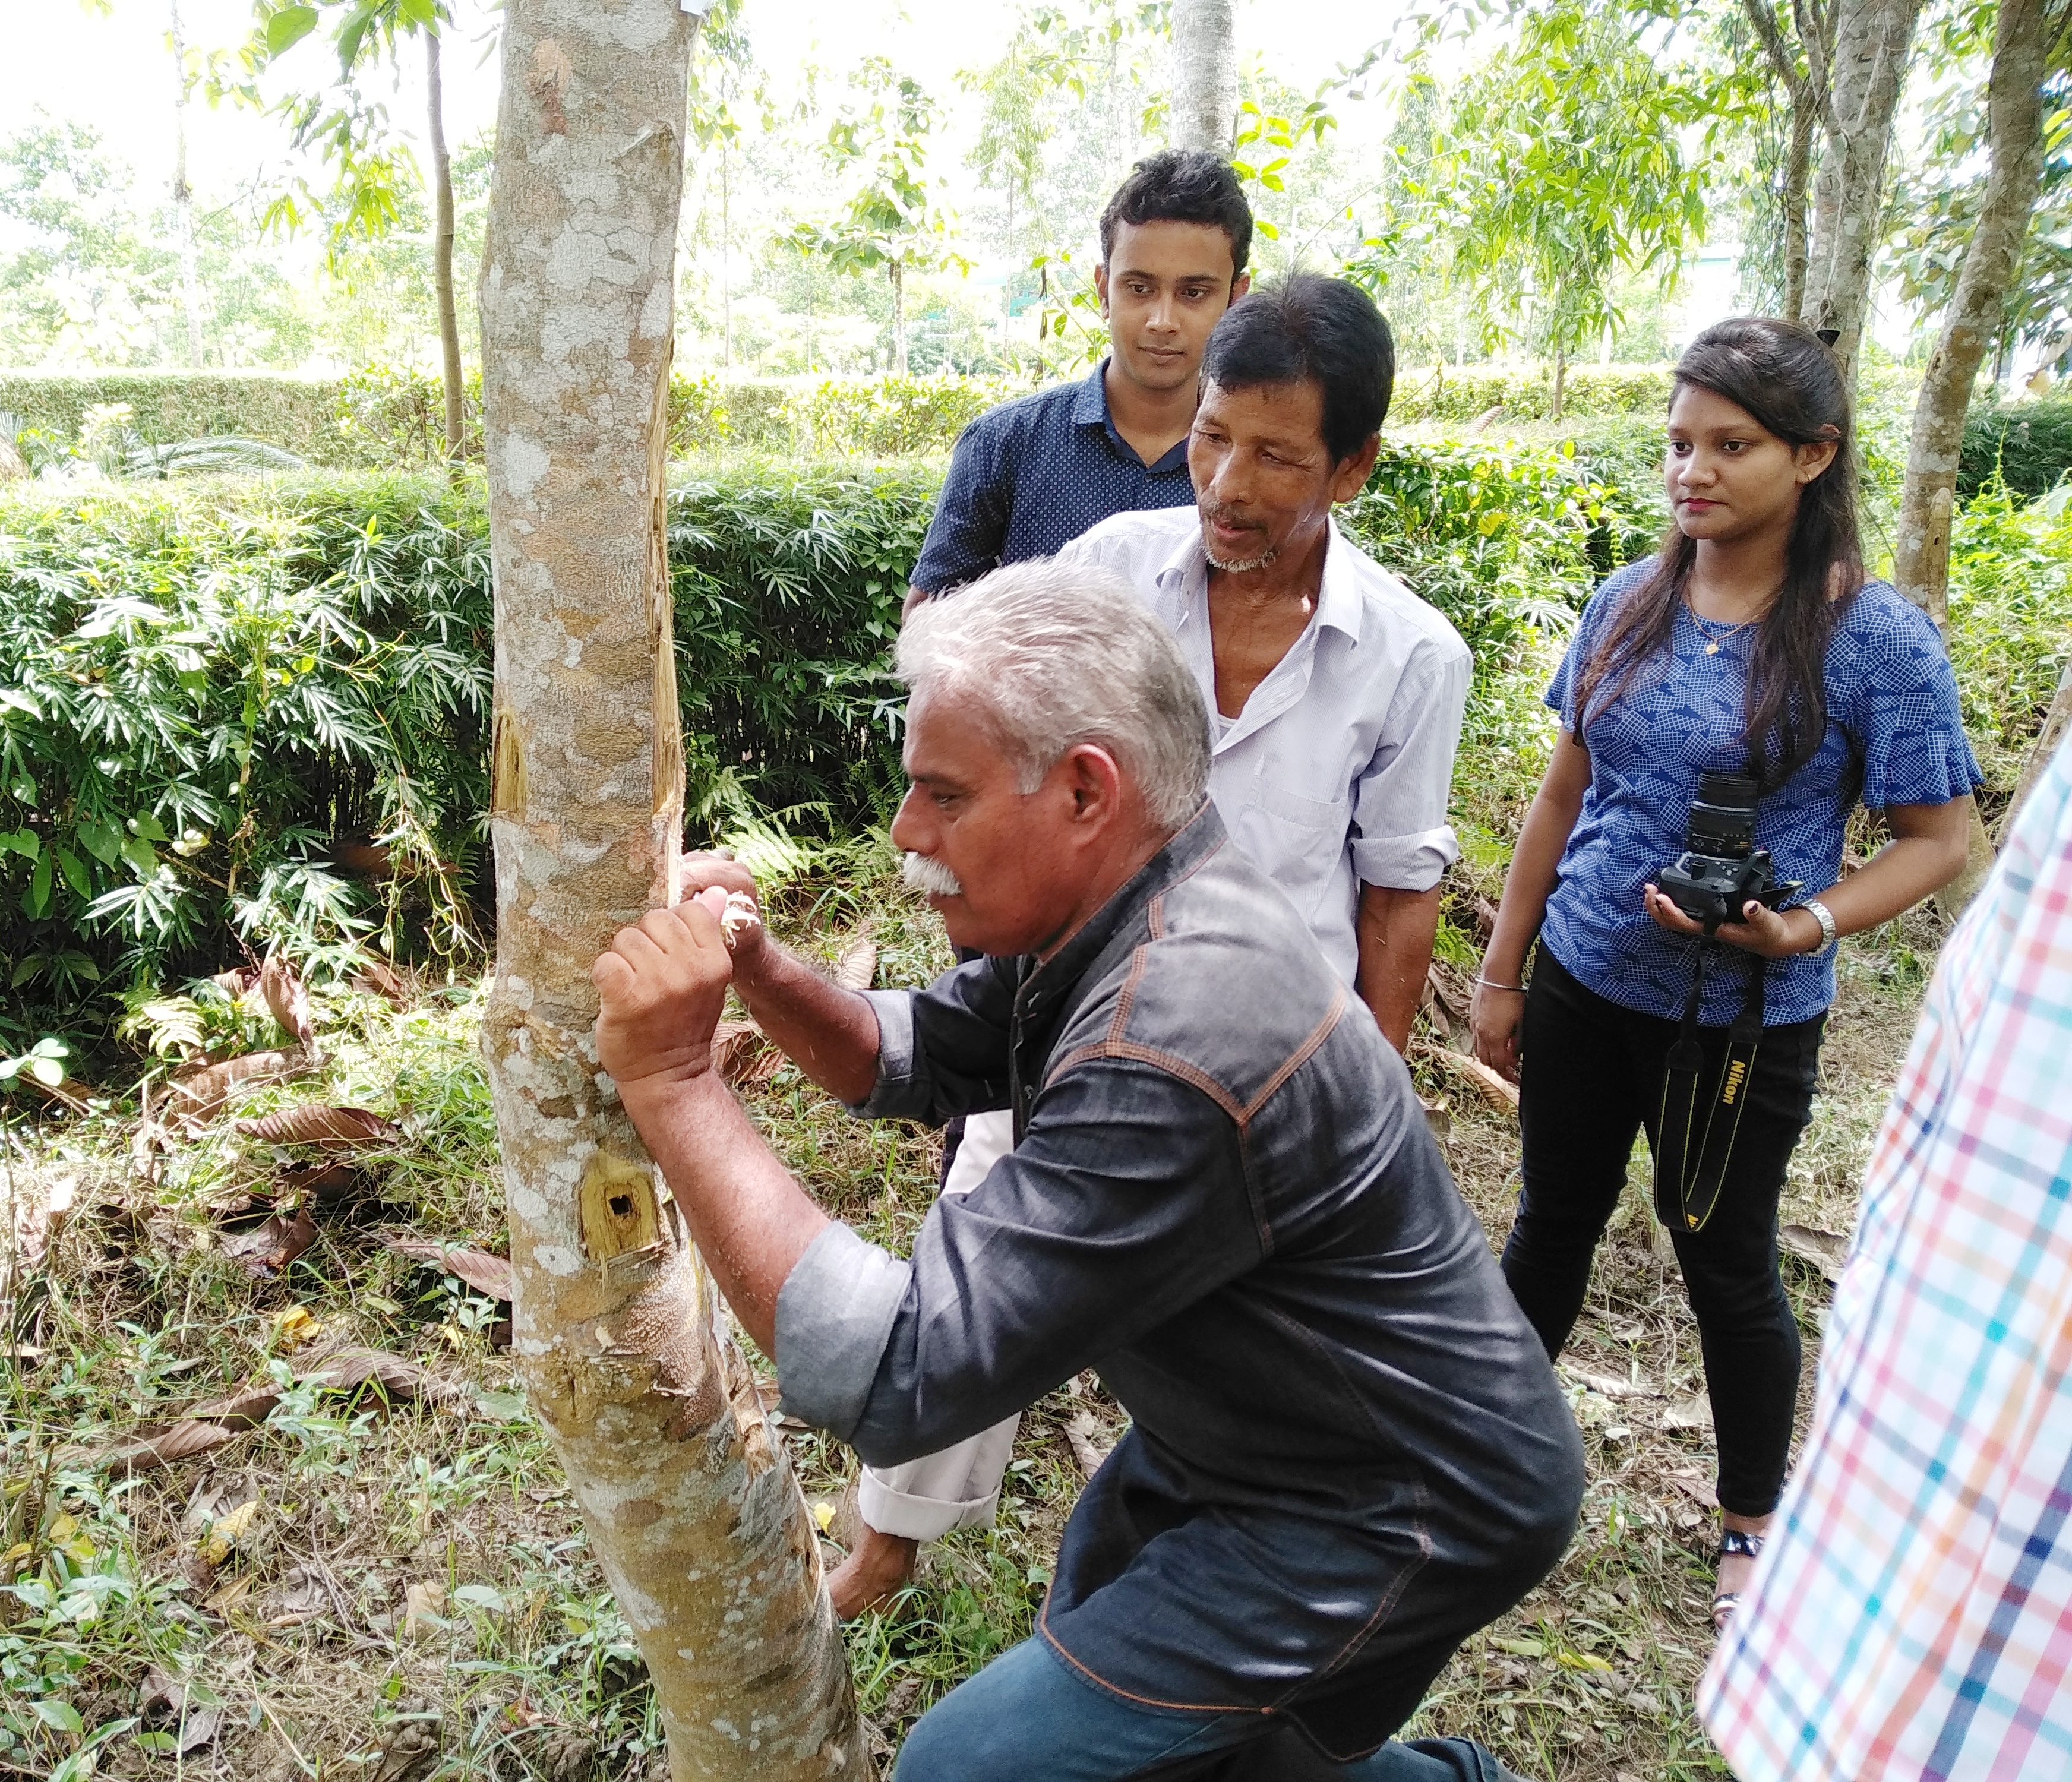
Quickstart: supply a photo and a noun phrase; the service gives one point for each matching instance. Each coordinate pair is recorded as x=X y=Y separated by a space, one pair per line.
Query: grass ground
x=410 y=1594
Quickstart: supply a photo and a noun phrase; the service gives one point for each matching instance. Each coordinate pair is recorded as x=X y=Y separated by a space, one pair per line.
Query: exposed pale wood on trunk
x=691 y=1507
x=1204 y=75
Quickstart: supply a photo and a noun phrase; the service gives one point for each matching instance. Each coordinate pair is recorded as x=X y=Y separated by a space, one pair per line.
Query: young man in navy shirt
x=1031 y=475
x=1027 y=478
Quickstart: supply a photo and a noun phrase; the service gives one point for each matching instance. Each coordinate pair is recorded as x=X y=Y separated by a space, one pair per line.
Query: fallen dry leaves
x=273 y=1244
x=220 y=1420
x=288 y=998
x=197 y=1092
x=485 y=1273
x=323 y=1124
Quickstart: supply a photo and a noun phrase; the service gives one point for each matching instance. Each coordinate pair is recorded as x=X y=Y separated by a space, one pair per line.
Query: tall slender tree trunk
x=691 y=1506
x=1872 y=39
x=898 y=318
x=442 y=248
x=1204 y=75
x=725 y=260
x=1560 y=380
x=2027 y=38
x=191 y=300
x=1797 y=173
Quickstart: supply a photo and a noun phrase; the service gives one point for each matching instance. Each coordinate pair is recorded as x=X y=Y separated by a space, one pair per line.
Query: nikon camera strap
x=1695 y=1133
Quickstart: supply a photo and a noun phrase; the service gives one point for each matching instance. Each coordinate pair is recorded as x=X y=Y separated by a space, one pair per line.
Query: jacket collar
x=1045 y=985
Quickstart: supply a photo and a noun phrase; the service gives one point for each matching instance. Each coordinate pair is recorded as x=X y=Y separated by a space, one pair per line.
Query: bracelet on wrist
x=1490 y=984
x=1821 y=913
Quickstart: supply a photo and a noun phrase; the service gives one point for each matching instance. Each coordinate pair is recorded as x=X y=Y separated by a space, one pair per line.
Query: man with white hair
x=1348 y=1450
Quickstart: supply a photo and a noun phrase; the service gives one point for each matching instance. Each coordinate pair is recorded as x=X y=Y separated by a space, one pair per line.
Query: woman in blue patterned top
x=1750 y=644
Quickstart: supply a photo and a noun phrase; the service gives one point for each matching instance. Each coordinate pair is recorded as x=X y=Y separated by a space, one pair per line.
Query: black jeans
x=1591 y=1078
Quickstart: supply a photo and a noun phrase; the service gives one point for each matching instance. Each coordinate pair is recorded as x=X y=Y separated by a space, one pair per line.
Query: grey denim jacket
x=1224 y=1196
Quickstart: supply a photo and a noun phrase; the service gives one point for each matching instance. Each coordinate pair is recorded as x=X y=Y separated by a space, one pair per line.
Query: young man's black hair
x=1181 y=186
x=1310 y=326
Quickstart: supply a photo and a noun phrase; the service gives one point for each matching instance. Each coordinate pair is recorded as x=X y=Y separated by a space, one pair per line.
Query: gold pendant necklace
x=1712 y=643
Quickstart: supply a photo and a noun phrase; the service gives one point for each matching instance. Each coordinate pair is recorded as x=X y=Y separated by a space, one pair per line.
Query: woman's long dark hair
x=1785 y=376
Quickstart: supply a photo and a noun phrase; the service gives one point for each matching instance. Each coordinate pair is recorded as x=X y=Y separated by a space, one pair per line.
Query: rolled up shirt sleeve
x=1400 y=838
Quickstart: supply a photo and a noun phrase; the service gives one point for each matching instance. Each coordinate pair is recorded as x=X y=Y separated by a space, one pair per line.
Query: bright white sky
x=112 y=71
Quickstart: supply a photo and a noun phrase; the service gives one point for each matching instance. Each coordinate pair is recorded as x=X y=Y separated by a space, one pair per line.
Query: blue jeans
x=1028 y=1713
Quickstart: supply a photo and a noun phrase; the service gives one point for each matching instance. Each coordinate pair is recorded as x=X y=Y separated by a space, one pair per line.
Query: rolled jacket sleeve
x=1400 y=838
x=834 y=1312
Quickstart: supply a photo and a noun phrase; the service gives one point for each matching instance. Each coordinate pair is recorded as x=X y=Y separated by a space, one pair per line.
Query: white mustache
x=924 y=873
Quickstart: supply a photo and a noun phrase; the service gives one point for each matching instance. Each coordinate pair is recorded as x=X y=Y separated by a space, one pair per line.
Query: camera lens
x=1723 y=815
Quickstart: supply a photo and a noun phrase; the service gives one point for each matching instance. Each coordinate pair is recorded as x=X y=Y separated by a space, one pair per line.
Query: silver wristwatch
x=1825 y=917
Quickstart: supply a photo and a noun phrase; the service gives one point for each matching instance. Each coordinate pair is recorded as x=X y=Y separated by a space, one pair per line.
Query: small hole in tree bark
x=622 y=1206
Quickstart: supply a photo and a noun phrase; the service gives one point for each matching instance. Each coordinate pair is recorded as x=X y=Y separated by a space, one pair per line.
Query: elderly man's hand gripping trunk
x=660 y=990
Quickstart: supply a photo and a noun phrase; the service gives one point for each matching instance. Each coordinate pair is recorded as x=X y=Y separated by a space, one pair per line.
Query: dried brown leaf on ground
x=743 y=1055
x=234 y=982
x=376 y=977
x=855 y=968
x=1827 y=1251
x=485 y=1273
x=321 y=1183
x=323 y=1124
x=1695 y=1412
x=271 y=1244
x=287 y=996
x=422 y=1602
x=163 y=1706
x=198 y=1092
x=159 y=1446
x=1082 y=1434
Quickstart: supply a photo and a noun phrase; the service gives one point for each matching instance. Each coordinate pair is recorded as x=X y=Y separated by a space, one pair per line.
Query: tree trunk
x=1802 y=70
x=726 y=260
x=2026 y=34
x=1204 y=75
x=183 y=194
x=1872 y=38
x=689 y=1502
x=1560 y=380
x=2056 y=723
x=442 y=248
x=1798 y=172
x=899 y=319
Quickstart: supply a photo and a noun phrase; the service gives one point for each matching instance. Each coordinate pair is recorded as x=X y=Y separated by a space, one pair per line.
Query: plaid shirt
x=1912 y=1615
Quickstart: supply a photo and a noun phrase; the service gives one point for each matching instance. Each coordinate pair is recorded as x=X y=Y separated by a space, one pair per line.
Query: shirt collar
x=1090 y=409
x=1338 y=603
x=1179 y=858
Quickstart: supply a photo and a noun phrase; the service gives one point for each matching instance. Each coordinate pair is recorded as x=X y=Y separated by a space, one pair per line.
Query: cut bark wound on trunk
x=689 y=1502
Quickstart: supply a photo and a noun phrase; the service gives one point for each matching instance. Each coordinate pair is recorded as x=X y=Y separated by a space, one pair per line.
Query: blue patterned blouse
x=1894 y=736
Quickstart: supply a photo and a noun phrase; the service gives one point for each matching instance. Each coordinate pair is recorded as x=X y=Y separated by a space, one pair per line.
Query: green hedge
x=388 y=417
x=300 y=413
x=2028 y=444
x=219 y=702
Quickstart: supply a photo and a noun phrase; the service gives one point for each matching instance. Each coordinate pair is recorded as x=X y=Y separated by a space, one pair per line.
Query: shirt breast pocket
x=1297 y=840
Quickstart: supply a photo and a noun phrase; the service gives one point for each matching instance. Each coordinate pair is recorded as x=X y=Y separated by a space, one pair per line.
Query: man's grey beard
x=924 y=873
x=1233 y=565
x=1240 y=565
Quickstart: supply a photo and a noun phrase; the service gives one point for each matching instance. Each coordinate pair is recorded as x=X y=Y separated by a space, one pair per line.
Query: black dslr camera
x=1721 y=868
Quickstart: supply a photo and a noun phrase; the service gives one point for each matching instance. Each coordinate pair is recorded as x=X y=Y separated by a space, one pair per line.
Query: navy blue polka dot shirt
x=1029 y=477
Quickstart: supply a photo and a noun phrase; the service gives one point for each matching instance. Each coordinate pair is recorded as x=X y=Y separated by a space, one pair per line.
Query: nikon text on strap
x=1695 y=1135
